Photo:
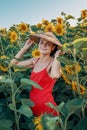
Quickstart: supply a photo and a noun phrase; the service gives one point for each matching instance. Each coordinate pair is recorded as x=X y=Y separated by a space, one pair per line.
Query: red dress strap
x=36 y=62
x=48 y=65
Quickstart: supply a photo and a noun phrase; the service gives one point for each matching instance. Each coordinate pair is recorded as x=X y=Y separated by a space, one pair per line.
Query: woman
x=46 y=70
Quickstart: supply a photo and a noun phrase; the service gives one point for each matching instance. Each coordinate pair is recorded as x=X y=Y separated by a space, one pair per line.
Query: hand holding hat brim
x=47 y=36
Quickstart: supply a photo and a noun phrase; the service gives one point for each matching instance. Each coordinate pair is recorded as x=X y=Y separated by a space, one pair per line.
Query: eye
x=48 y=44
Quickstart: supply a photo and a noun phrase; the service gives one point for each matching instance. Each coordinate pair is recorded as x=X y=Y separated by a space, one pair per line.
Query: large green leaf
x=49 y=122
x=64 y=60
x=82 y=125
x=24 y=109
x=8 y=83
x=71 y=106
x=80 y=43
x=25 y=81
x=6 y=124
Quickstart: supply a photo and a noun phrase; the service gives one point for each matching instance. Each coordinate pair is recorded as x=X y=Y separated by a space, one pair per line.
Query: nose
x=44 y=44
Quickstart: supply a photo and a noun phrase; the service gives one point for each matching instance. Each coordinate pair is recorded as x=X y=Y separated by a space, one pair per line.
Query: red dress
x=41 y=97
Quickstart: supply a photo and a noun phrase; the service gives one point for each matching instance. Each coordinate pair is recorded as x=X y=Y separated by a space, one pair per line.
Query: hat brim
x=36 y=38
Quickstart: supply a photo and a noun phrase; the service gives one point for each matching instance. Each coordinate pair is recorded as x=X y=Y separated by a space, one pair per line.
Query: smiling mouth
x=43 y=49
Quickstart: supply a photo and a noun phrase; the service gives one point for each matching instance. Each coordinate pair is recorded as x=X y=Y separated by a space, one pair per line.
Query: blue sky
x=32 y=11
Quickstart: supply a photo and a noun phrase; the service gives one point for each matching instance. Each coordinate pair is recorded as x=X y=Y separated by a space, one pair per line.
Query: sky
x=33 y=11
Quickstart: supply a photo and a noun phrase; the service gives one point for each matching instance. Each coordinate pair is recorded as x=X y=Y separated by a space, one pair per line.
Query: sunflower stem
x=77 y=77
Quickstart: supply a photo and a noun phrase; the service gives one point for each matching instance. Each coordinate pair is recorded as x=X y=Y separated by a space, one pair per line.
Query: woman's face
x=45 y=46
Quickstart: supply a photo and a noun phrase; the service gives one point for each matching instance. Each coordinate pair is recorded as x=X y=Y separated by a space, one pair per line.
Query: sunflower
x=23 y=27
x=59 y=20
x=85 y=24
x=59 y=30
x=13 y=36
x=72 y=69
x=84 y=14
x=3 y=68
x=3 y=57
x=49 y=28
x=2 y=31
x=37 y=123
x=82 y=88
x=36 y=53
x=65 y=78
x=45 y=22
x=74 y=86
x=39 y=25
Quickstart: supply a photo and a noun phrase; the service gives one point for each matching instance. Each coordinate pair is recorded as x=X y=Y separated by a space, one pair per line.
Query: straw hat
x=49 y=36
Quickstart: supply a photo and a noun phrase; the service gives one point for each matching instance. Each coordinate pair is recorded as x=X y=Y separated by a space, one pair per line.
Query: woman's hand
x=59 y=52
x=28 y=44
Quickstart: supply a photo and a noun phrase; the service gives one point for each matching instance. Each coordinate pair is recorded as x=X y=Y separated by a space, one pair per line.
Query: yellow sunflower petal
x=36 y=53
x=23 y=27
x=59 y=30
x=13 y=36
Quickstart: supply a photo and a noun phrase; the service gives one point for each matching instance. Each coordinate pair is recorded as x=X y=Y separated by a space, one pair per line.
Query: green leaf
x=84 y=54
x=82 y=125
x=70 y=77
x=12 y=106
x=71 y=106
x=56 y=108
x=27 y=86
x=80 y=43
x=27 y=102
x=7 y=81
x=30 y=82
x=69 y=17
x=2 y=88
x=64 y=60
x=65 y=46
x=6 y=124
x=25 y=110
x=49 y=122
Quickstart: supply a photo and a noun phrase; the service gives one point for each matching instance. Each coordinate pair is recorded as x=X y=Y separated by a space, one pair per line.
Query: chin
x=44 y=51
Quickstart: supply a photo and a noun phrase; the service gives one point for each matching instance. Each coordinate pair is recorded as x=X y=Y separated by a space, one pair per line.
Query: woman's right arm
x=25 y=63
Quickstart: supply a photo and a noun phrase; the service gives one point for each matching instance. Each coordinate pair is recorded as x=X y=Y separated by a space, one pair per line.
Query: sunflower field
x=70 y=91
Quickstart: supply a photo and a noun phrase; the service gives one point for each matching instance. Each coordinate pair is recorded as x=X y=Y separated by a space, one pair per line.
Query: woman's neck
x=45 y=58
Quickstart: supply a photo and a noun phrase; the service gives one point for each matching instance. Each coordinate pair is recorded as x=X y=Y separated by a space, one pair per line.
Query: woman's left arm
x=56 y=71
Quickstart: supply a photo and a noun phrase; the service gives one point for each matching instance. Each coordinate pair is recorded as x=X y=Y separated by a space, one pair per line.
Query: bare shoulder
x=34 y=60
x=51 y=64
